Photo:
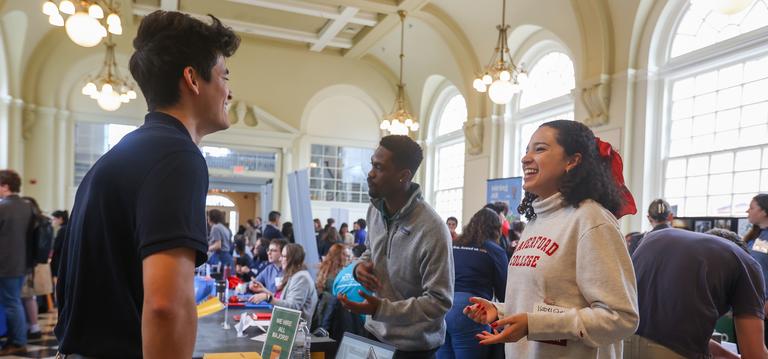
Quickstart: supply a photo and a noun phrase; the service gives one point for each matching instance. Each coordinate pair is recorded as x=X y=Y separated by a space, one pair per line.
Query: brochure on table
x=281 y=333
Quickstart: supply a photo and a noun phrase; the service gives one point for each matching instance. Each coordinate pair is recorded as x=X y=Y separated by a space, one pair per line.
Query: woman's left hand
x=259 y=297
x=516 y=328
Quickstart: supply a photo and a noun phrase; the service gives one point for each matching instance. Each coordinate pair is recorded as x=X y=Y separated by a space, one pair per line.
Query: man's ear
x=405 y=175
x=190 y=80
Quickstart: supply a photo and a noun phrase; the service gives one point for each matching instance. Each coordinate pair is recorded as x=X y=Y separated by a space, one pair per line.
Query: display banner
x=281 y=333
x=301 y=212
x=507 y=190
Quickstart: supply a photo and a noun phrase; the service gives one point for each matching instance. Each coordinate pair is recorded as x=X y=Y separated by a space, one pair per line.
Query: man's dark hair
x=330 y=221
x=494 y=207
x=503 y=206
x=361 y=223
x=278 y=242
x=11 y=179
x=729 y=236
x=452 y=219
x=216 y=216
x=406 y=153
x=166 y=43
x=273 y=216
x=358 y=250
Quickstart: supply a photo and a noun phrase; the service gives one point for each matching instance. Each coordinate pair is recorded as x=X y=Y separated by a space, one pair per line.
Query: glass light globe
x=501 y=92
x=124 y=98
x=106 y=88
x=89 y=88
x=131 y=94
x=415 y=127
x=730 y=7
x=487 y=79
x=49 y=8
x=384 y=125
x=67 y=7
x=482 y=88
x=522 y=78
x=505 y=75
x=477 y=83
x=84 y=30
x=56 y=20
x=408 y=122
x=103 y=31
x=113 y=20
x=109 y=101
x=115 y=29
x=95 y=12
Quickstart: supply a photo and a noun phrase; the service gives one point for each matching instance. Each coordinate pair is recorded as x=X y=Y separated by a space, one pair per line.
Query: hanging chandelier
x=400 y=121
x=109 y=88
x=86 y=24
x=501 y=78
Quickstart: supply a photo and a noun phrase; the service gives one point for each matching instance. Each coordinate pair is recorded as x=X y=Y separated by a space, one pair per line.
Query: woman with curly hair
x=334 y=261
x=571 y=290
x=480 y=268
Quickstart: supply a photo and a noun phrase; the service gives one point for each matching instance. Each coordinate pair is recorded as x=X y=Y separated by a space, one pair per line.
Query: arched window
x=715 y=111
x=447 y=185
x=215 y=200
x=546 y=97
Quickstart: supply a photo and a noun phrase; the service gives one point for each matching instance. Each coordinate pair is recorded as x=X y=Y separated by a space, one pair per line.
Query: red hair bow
x=605 y=151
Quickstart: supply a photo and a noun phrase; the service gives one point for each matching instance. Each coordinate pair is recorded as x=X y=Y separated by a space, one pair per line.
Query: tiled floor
x=44 y=347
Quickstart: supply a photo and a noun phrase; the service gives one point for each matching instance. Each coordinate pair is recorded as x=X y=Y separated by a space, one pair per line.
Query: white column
x=63 y=159
x=40 y=179
x=287 y=167
x=15 y=157
x=5 y=136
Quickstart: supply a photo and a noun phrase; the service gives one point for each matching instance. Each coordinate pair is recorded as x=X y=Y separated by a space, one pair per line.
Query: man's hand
x=516 y=329
x=256 y=287
x=259 y=297
x=368 y=307
x=364 y=274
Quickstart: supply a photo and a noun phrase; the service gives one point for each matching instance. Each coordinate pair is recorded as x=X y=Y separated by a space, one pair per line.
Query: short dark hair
x=361 y=222
x=406 y=153
x=273 y=216
x=278 y=242
x=729 y=236
x=63 y=214
x=494 y=207
x=358 y=250
x=452 y=219
x=11 y=179
x=503 y=206
x=169 y=41
x=216 y=216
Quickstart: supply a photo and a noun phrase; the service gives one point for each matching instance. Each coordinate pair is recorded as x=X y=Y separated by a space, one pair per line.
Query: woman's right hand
x=481 y=311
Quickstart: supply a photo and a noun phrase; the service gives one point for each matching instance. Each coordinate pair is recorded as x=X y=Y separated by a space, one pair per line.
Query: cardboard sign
x=281 y=333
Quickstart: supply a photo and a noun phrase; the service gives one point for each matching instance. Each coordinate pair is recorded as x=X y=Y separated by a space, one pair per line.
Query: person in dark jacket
x=60 y=219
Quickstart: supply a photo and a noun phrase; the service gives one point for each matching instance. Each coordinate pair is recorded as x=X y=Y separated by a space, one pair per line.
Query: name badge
x=278 y=280
x=547 y=308
x=760 y=246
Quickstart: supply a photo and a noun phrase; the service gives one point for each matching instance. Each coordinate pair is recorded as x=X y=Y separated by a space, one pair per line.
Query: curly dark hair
x=169 y=41
x=590 y=179
x=483 y=225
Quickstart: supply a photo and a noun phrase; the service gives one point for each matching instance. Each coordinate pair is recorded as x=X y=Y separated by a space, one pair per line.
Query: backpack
x=40 y=242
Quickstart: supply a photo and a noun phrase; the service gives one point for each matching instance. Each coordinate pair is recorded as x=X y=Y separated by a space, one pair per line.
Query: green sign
x=281 y=333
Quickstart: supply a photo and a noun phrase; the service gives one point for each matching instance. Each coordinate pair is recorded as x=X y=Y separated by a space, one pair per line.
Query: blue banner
x=507 y=190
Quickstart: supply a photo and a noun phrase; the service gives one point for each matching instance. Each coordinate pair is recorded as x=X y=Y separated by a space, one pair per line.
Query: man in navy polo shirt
x=138 y=225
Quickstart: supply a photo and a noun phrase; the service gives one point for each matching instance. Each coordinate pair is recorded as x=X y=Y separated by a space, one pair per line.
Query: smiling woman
x=571 y=242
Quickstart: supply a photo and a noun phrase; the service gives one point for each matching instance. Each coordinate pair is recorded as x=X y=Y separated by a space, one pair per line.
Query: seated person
x=243 y=269
x=270 y=277
x=296 y=290
x=334 y=261
x=259 y=255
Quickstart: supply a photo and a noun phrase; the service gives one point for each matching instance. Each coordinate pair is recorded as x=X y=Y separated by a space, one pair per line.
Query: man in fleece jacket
x=409 y=263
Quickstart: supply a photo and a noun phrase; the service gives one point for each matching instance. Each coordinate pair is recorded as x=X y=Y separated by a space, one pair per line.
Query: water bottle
x=302 y=343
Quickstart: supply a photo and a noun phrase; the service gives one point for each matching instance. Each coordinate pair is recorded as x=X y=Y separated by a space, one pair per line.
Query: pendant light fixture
x=501 y=78
x=400 y=121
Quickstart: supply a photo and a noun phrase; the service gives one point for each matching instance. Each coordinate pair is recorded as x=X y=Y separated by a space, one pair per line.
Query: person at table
x=137 y=229
x=270 y=276
x=296 y=289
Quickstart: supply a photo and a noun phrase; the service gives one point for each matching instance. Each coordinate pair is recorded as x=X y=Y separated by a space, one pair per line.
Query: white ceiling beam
x=376 y=6
x=258 y=29
x=169 y=5
x=316 y=10
x=385 y=26
x=333 y=27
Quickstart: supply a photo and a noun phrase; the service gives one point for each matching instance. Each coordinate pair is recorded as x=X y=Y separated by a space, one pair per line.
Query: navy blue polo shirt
x=145 y=195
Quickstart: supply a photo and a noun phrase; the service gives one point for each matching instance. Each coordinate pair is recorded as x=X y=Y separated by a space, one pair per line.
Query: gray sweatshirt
x=413 y=260
x=299 y=294
x=572 y=274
